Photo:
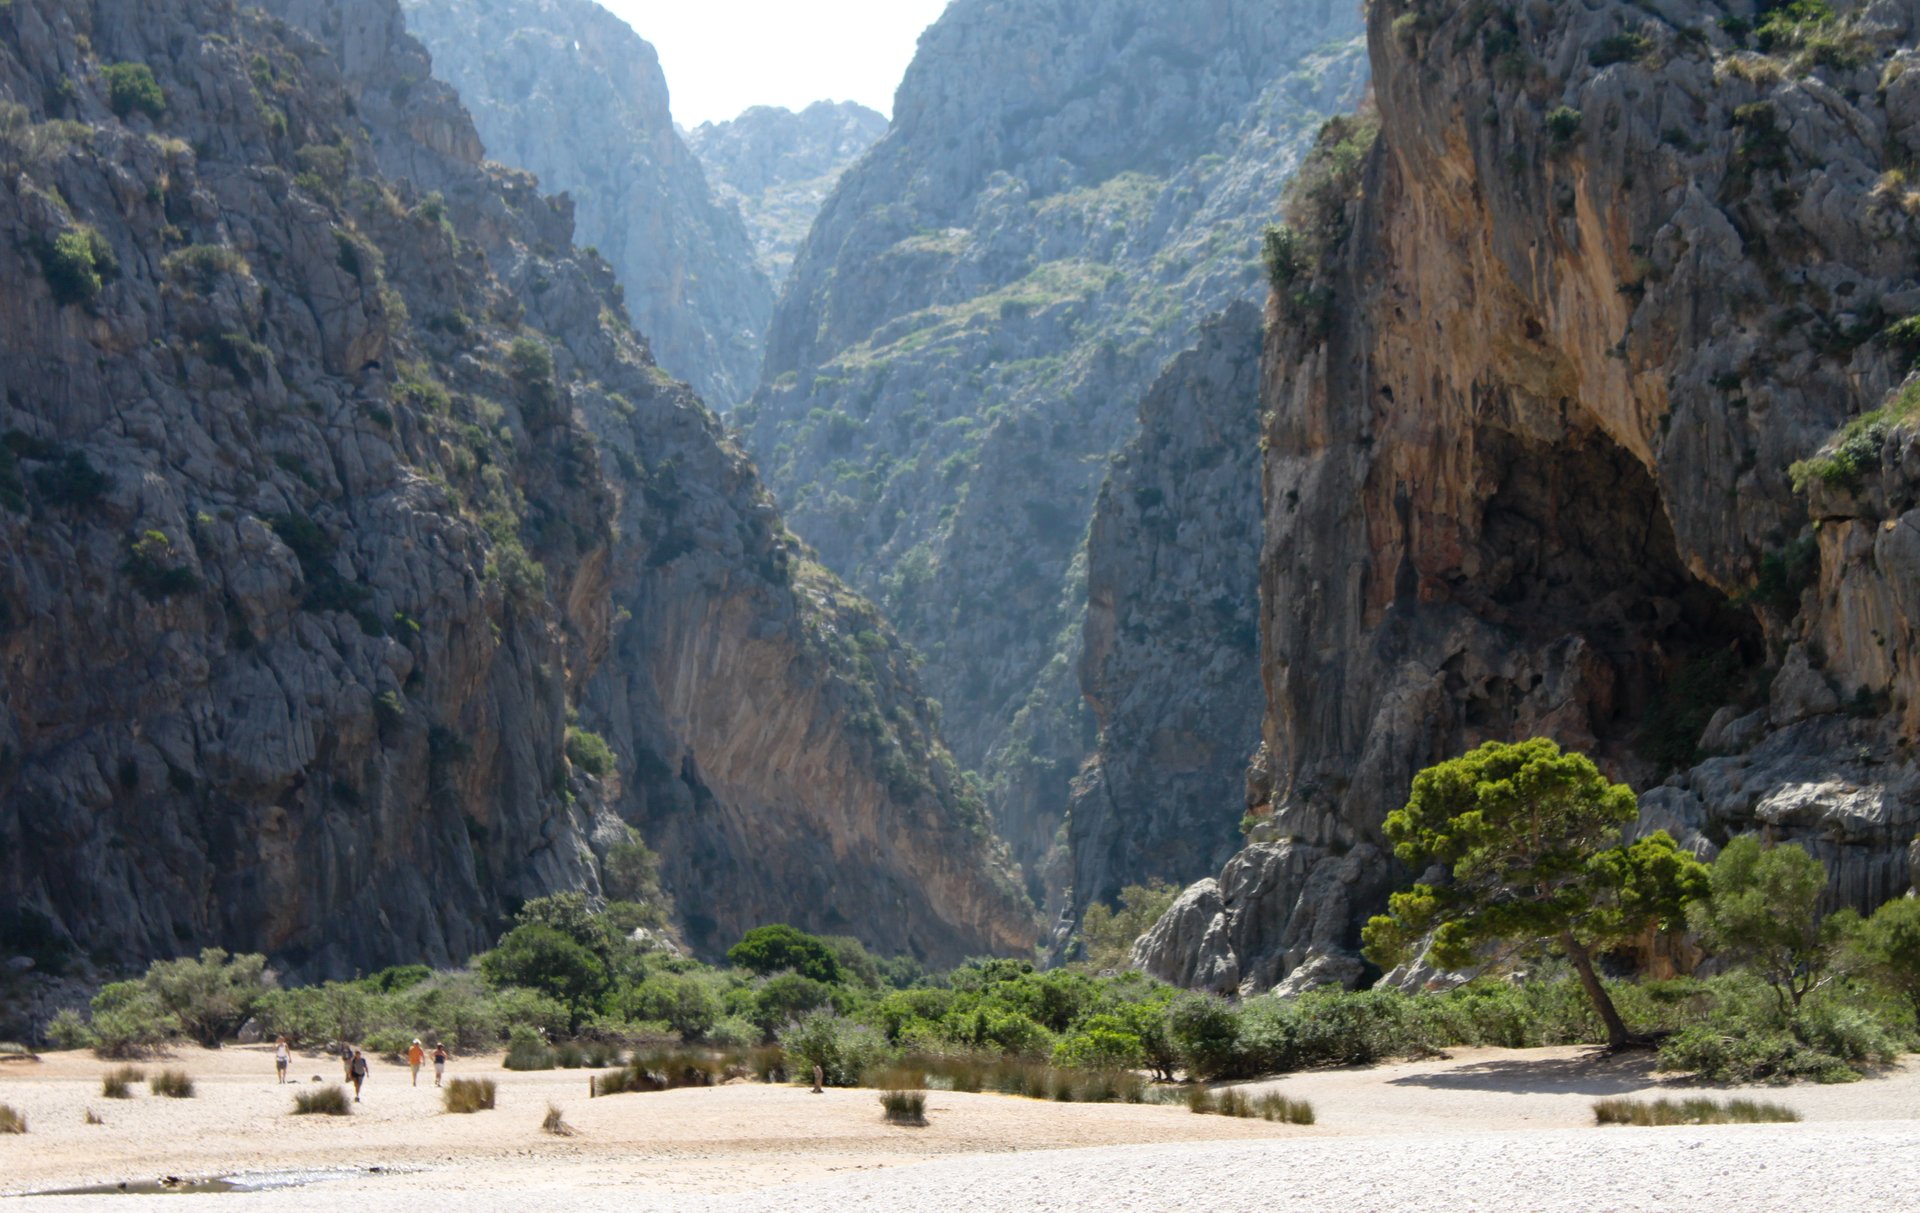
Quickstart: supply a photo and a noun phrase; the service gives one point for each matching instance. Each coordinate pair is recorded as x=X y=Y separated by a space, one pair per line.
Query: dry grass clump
x=904 y=1106
x=669 y=1069
x=12 y=1121
x=1690 y=1112
x=469 y=1095
x=322 y=1101
x=556 y=1122
x=1235 y=1102
x=119 y=1084
x=174 y=1084
x=93 y=1118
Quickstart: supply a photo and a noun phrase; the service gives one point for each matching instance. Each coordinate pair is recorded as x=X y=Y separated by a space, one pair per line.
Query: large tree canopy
x=1531 y=839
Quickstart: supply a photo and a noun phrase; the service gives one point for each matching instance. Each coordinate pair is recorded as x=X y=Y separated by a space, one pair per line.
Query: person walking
x=439 y=1063
x=357 y=1071
x=415 y=1056
x=282 y=1058
x=346 y=1061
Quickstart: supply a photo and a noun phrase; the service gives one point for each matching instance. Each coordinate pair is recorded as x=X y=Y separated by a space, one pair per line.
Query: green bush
x=590 y=752
x=843 y=1050
x=771 y=948
x=527 y=1050
x=77 y=264
x=322 y=1101
x=1101 y=1042
x=131 y=87
x=1205 y=1033
x=129 y=1021
x=1563 y=124
x=541 y=958
x=68 y=1030
x=210 y=995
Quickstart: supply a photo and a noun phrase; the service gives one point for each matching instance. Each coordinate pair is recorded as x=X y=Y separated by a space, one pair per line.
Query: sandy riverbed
x=1484 y=1129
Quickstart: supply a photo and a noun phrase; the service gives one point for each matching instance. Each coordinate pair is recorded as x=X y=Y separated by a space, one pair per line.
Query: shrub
x=778 y=946
x=1563 y=124
x=1205 y=1033
x=12 y=1121
x=555 y=1122
x=204 y=266
x=1102 y=1042
x=843 y=1050
x=68 y=1030
x=130 y=87
x=1689 y=1112
x=538 y=957
x=128 y=1021
x=77 y=264
x=92 y=1117
x=119 y=1083
x=590 y=752
x=174 y=1084
x=1620 y=48
x=903 y=1106
x=213 y=994
x=323 y=1101
x=527 y=1050
x=465 y=1095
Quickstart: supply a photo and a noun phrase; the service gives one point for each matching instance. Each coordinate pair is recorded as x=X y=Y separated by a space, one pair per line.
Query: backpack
x=359 y=1067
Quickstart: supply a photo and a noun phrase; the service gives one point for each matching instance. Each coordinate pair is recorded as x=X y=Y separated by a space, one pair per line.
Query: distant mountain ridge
x=777 y=168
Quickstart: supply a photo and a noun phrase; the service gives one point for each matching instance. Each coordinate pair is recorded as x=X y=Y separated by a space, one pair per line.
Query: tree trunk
x=1617 y=1035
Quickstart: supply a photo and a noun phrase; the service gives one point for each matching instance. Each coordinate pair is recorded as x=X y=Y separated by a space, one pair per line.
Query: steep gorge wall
x=569 y=92
x=305 y=554
x=1609 y=273
x=1068 y=190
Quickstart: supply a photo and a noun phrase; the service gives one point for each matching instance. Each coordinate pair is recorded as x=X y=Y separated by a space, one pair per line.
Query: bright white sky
x=721 y=56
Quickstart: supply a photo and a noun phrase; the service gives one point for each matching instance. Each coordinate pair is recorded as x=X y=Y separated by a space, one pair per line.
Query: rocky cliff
x=777 y=167
x=1585 y=418
x=1068 y=189
x=1171 y=664
x=333 y=479
x=568 y=91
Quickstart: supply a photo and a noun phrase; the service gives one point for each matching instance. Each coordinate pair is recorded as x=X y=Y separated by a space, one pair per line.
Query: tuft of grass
x=1696 y=1111
x=119 y=1084
x=902 y=1106
x=1200 y=1100
x=93 y=1118
x=322 y=1101
x=555 y=1122
x=469 y=1095
x=1279 y=1108
x=174 y=1084
x=12 y=1121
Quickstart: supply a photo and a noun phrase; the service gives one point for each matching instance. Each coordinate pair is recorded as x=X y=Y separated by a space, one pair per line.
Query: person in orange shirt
x=415 y=1057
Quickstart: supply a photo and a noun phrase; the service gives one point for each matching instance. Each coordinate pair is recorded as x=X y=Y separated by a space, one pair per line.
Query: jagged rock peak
x=568 y=91
x=777 y=168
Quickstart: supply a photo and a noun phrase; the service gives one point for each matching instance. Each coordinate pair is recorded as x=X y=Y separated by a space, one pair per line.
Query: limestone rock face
x=777 y=167
x=311 y=455
x=568 y=91
x=1068 y=190
x=1171 y=664
x=1606 y=277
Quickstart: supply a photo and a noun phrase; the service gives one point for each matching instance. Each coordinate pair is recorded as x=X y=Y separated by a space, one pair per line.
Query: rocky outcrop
x=316 y=434
x=1610 y=272
x=1171 y=665
x=1067 y=191
x=568 y=91
x=777 y=167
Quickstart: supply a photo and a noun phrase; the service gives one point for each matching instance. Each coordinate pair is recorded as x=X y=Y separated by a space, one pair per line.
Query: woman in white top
x=282 y=1057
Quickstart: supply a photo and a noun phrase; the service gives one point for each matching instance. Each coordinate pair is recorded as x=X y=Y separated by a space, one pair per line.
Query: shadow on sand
x=1594 y=1073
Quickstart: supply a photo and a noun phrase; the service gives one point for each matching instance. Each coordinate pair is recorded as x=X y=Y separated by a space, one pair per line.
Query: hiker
x=346 y=1061
x=282 y=1058
x=357 y=1071
x=439 y=1062
x=415 y=1056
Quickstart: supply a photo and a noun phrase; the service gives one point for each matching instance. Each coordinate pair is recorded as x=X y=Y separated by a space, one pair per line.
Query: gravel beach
x=1485 y=1129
